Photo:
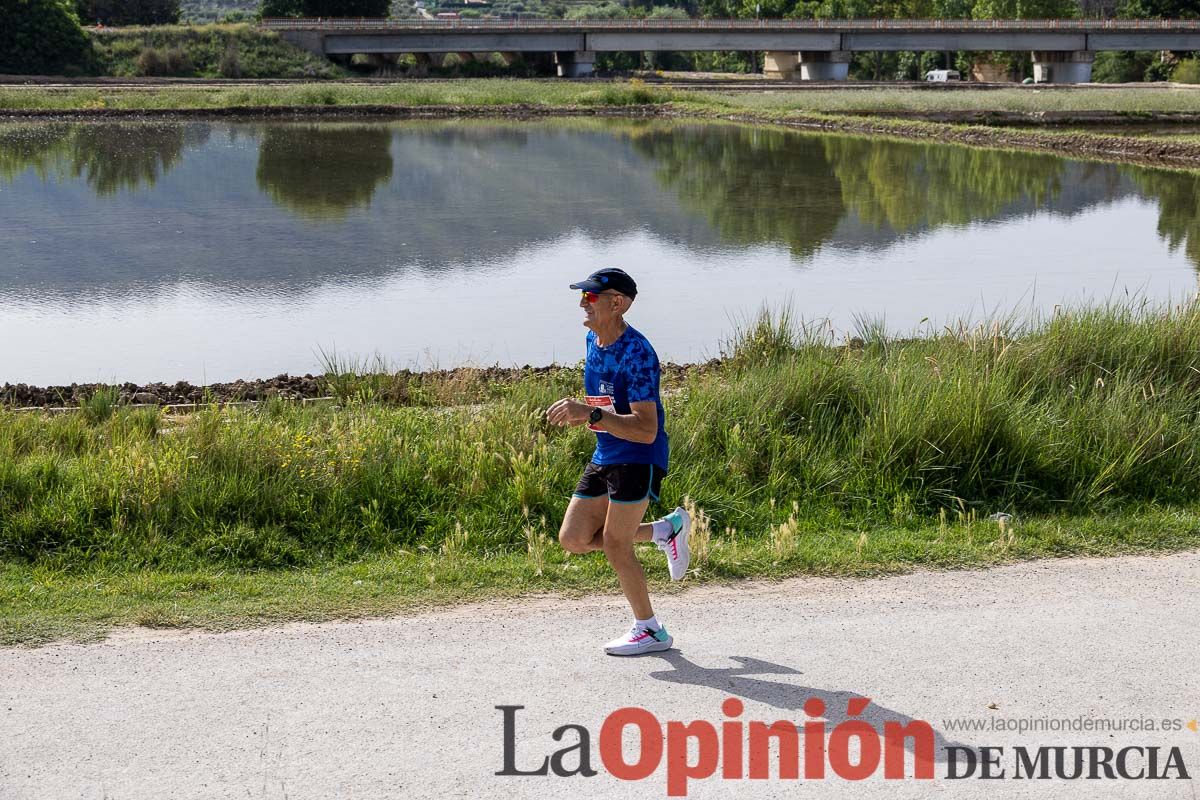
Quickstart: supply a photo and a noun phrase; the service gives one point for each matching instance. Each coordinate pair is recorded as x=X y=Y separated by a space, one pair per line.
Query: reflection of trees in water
x=754 y=186
x=108 y=156
x=757 y=186
x=322 y=171
x=1178 y=196
x=907 y=186
x=36 y=147
x=113 y=156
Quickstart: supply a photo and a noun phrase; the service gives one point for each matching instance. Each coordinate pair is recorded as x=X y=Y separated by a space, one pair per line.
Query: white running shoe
x=676 y=547
x=640 y=640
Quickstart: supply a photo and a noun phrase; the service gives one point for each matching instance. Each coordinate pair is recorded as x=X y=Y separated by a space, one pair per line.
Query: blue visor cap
x=612 y=278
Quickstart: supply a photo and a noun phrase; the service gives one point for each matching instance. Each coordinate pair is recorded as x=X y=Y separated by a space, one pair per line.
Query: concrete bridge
x=1063 y=50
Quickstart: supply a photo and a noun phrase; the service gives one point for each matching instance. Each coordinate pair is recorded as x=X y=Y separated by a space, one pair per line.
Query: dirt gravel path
x=406 y=707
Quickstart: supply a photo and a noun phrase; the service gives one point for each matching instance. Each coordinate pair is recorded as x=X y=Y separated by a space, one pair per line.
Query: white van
x=943 y=75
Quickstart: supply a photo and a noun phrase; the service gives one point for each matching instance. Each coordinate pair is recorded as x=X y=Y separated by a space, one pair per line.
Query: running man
x=621 y=377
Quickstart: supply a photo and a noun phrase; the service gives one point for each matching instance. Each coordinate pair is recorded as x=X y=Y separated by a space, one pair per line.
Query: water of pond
x=211 y=251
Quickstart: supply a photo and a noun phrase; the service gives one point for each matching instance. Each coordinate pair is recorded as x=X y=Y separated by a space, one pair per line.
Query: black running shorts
x=623 y=483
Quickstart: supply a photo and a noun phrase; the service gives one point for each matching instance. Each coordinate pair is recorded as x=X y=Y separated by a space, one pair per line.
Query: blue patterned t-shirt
x=624 y=372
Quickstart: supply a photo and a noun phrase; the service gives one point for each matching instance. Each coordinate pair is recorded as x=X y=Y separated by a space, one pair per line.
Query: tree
x=41 y=37
x=281 y=8
x=720 y=9
x=605 y=11
x=129 y=12
x=324 y=8
x=952 y=9
x=1158 y=9
x=1026 y=9
x=345 y=8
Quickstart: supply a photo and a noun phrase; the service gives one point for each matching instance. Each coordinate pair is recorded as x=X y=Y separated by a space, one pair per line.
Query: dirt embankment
x=288 y=387
x=21 y=395
x=1012 y=131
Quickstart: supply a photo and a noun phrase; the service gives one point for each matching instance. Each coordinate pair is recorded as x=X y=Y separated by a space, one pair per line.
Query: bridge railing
x=341 y=23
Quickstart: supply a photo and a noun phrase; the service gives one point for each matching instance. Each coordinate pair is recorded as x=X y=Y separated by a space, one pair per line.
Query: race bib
x=603 y=401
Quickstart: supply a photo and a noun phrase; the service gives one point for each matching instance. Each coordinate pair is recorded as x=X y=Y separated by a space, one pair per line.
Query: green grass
x=100 y=405
x=1019 y=99
x=800 y=455
x=479 y=93
x=552 y=93
x=1187 y=136
x=40 y=604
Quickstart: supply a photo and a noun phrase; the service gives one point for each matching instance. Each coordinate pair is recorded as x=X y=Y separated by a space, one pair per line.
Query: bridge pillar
x=824 y=65
x=579 y=64
x=780 y=64
x=1058 y=66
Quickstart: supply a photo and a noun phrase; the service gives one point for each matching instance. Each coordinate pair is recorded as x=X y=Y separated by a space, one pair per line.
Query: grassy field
x=1139 y=100
x=799 y=455
x=481 y=92
x=554 y=93
x=41 y=604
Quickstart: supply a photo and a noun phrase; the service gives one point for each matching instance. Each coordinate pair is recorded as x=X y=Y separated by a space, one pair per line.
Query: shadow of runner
x=789 y=697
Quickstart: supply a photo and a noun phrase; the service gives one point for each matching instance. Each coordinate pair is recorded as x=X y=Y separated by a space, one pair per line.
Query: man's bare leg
x=582 y=528
x=621 y=526
x=593 y=523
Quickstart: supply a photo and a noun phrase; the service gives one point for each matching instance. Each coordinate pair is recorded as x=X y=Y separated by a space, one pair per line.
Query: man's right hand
x=568 y=411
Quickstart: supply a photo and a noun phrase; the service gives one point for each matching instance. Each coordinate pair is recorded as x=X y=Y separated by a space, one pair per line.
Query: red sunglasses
x=592 y=297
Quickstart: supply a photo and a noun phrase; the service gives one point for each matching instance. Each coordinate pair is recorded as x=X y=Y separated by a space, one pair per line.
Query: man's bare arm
x=641 y=425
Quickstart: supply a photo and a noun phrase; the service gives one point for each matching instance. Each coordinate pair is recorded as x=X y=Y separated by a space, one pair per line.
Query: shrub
x=151 y=62
x=1159 y=70
x=1188 y=71
x=231 y=64
x=179 y=62
x=1119 y=67
x=171 y=62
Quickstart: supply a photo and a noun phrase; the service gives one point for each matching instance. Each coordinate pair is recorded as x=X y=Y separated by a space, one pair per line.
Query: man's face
x=601 y=308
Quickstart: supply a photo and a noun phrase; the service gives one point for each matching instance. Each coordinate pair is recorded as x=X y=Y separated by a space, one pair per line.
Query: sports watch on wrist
x=596 y=415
